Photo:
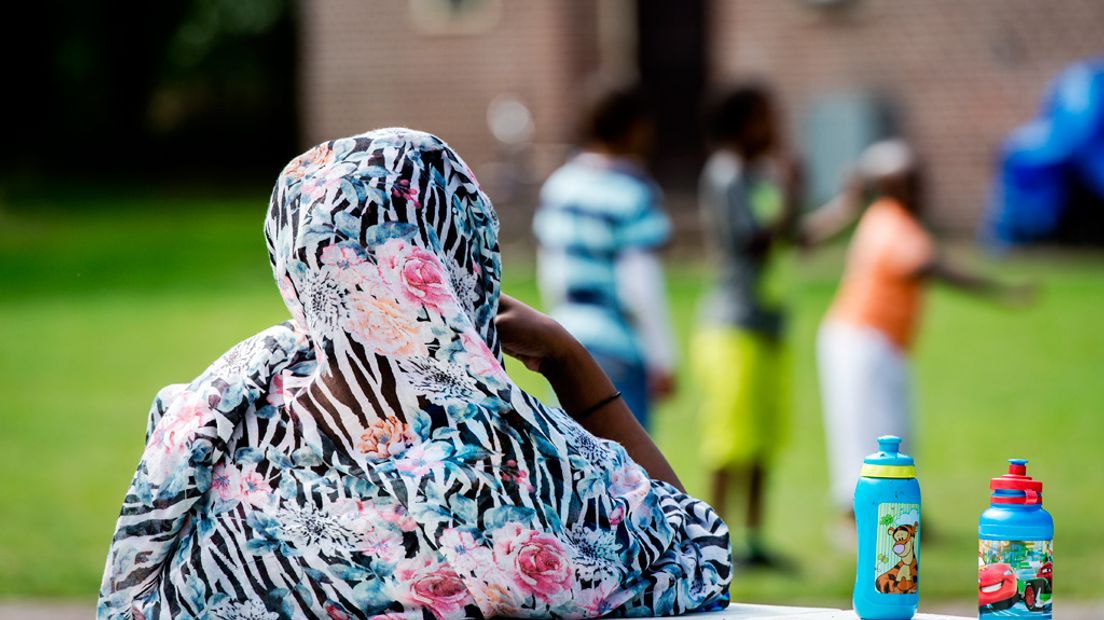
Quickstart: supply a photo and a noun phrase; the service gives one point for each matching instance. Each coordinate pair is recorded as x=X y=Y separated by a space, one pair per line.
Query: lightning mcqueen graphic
x=999 y=588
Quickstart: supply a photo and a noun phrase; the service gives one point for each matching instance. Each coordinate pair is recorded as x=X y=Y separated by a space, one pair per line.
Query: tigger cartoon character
x=902 y=578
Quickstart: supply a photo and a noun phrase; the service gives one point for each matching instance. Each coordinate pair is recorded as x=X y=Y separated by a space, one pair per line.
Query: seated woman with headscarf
x=370 y=458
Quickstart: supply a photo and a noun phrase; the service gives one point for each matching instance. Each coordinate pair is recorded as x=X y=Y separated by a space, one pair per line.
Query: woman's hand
x=532 y=337
x=544 y=345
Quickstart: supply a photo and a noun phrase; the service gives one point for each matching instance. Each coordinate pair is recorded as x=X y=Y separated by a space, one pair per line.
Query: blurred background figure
x=749 y=204
x=864 y=341
x=600 y=227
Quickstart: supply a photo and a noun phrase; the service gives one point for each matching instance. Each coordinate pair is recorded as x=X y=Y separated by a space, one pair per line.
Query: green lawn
x=104 y=304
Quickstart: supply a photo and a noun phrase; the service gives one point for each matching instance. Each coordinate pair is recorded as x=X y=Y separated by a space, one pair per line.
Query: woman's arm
x=580 y=383
x=545 y=346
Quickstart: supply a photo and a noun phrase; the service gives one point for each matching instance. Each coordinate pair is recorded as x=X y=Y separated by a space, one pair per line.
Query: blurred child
x=739 y=352
x=863 y=344
x=600 y=228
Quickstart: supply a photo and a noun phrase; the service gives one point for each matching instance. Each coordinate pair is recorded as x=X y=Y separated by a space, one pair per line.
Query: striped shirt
x=592 y=211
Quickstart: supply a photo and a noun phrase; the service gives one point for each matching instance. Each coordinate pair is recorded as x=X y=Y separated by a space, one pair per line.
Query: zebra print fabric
x=370 y=458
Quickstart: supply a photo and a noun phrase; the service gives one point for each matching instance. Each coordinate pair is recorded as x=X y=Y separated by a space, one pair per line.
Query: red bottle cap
x=1017 y=480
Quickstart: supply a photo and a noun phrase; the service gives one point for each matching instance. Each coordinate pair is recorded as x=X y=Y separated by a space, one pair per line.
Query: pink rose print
x=416 y=274
x=385 y=438
x=536 y=561
x=437 y=587
x=384 y=326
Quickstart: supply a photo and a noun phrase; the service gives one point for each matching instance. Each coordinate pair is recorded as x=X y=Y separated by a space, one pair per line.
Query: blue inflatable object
x=1015 y=548
x=1040 y=160
x=887 y=515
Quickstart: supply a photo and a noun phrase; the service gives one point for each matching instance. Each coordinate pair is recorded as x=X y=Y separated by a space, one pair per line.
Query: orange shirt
x=880 y=288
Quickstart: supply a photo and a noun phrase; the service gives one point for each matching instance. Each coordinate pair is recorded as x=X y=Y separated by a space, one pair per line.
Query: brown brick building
x=379 y=63
x=956 y=74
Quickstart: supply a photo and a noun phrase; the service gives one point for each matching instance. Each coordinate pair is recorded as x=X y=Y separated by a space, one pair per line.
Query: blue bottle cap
x=888 y=461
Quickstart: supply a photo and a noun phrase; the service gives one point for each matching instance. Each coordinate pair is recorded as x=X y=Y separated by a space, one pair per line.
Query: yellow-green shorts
x=744 y=380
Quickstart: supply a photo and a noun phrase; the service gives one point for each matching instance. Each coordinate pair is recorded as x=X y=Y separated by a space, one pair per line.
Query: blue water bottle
x=1015 y=548
x=887 y=515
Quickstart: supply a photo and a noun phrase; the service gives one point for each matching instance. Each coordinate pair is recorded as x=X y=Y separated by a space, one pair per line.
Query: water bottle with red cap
x=1015 y=548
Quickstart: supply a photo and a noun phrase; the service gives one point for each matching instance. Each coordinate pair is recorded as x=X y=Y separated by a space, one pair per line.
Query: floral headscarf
x=371 y=458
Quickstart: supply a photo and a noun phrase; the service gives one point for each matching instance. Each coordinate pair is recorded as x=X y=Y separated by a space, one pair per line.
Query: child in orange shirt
x=863 y=344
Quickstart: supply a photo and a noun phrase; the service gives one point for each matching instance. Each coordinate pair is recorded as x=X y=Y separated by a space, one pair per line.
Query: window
x=455 y=16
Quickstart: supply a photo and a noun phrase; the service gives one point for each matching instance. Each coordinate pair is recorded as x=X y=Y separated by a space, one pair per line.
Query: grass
x=105 y=301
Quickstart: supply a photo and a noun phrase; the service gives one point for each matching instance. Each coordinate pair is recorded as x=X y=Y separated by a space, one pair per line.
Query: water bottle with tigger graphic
x=887 y=515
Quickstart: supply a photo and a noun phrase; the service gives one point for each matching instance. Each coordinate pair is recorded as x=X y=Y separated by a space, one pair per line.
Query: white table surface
x=737 y=610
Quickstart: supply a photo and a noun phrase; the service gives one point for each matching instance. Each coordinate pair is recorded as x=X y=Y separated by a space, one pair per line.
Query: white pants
x=864 y=386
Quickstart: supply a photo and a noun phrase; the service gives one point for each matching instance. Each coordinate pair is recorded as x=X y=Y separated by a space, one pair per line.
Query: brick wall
x=366 y=64
x=961 y=72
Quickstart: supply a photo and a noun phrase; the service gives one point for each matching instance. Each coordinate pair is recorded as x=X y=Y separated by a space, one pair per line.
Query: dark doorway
x=672 y=61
